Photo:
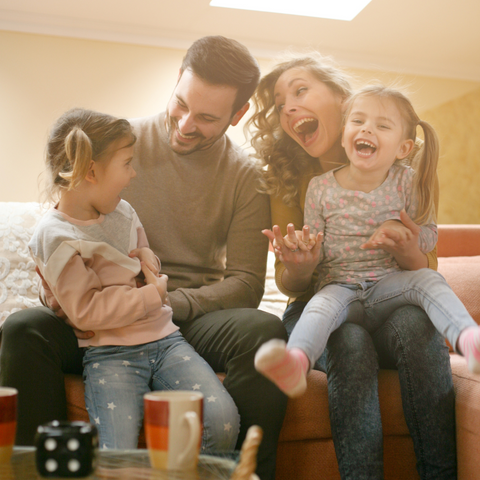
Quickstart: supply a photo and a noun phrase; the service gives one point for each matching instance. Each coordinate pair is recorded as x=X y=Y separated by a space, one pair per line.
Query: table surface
x=120 y=464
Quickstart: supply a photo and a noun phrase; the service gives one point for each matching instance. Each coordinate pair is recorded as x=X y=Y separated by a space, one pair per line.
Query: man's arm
x=246 y=259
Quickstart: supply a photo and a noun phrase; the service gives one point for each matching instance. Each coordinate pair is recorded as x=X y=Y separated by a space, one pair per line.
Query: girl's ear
x=405 y=149
x=91 y=173
x=341 y=133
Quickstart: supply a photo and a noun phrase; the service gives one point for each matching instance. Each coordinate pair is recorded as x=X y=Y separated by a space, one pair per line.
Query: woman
x=296 y=132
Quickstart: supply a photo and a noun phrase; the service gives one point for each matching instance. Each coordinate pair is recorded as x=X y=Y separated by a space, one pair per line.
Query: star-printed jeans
x=117 y=377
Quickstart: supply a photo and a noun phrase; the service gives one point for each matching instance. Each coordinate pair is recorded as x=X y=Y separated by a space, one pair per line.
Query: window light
x=332 y=9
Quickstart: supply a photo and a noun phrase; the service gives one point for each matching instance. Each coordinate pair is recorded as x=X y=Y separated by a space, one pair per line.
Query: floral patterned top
x=348 y=218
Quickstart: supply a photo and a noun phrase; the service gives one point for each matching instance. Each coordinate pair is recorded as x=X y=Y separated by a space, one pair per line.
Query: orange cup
x=173 y=428
x=8 y=422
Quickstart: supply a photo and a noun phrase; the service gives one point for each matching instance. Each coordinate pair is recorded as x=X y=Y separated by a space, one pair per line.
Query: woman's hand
x=299 y=251
x=400 y=239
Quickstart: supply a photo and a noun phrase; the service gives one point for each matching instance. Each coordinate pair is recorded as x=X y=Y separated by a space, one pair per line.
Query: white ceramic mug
x=173 y=428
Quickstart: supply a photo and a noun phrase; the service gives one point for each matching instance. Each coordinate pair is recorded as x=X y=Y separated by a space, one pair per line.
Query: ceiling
x=439 y=38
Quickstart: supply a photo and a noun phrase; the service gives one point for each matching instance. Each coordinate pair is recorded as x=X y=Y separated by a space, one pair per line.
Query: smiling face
x=374 y=135
x=310 y=112
x=198 y=114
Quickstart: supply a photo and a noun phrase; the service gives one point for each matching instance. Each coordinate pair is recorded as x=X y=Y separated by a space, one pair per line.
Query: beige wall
x=42 y=76
x=458 y=126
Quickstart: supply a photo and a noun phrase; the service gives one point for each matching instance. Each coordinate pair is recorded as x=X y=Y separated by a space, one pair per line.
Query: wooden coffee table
x=120 y=464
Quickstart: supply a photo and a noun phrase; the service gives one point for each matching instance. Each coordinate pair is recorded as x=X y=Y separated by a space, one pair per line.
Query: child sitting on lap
x=357 y=210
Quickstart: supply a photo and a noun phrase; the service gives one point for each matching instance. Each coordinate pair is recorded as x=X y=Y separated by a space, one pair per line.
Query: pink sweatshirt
x=89 y=272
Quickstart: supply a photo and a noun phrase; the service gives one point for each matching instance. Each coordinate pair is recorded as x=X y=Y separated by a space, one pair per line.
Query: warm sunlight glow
x=332 y=9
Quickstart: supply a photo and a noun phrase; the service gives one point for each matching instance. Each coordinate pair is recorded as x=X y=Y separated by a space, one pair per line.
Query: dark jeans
x=409 y=342
x=38 y=348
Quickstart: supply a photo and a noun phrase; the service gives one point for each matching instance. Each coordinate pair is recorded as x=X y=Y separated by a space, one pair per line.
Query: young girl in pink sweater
x=93 y=255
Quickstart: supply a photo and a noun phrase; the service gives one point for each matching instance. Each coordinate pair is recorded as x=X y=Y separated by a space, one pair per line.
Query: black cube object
x=66 y=449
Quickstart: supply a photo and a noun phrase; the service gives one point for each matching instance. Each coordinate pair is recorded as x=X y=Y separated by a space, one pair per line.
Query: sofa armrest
x=467 y=408
x=458 y=240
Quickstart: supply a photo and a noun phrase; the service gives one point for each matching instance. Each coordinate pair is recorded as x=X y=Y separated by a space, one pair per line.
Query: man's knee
x=260 y=325
x=23 y=322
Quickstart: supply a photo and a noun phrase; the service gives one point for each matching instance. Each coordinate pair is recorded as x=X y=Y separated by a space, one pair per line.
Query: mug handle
x=192 y=445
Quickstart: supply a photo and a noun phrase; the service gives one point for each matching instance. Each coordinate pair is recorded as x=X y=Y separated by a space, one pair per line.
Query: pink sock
x=286 y=368
x=469 y=345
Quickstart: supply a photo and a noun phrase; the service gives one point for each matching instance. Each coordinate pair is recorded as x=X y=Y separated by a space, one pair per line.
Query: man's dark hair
x=222 y=61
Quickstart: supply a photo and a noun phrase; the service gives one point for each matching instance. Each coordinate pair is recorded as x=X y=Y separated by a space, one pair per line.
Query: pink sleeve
x=91 y=306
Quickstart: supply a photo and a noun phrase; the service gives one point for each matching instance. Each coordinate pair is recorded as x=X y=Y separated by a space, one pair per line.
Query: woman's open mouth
x=305 y=128
x=365 y=148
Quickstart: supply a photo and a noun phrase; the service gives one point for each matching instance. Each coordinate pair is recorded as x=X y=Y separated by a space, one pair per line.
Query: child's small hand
x=160 y=282
x=148 y=257
x=392 y=233
x=395 y=237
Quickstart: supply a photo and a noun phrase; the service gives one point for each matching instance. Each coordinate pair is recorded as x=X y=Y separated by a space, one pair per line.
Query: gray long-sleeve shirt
x=203 y=217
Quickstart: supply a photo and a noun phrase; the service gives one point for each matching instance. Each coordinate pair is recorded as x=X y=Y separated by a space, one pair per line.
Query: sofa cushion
x=18 y=280
x=463 y=275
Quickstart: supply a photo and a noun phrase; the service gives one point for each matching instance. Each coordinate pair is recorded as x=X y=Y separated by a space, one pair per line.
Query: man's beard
x=172 y=127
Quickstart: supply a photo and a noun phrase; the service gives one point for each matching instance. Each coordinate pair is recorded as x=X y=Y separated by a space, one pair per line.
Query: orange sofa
x=305 y=450
x=306 y=445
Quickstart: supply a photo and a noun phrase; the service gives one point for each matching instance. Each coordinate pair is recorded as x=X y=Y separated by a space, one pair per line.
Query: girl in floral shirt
x=360 y=273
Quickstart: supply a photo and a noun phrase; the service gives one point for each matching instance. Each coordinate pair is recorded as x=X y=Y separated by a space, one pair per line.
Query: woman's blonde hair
x=424 y=159
x=78 y=137
x=286 y=161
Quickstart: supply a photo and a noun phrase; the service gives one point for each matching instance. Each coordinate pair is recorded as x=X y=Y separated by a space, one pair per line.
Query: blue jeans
x=369 y=304
x=117 y=377
x=38 y=348
x=406 y=341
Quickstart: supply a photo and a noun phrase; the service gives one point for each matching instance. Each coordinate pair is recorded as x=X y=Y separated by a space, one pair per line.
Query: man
x=195 y=193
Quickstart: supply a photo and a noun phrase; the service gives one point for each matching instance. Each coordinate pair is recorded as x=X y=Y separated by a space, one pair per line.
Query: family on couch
x=198 y=197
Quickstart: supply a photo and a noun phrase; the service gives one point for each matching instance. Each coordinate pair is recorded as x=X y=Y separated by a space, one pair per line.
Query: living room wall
x=41 y=76
x=457 y=123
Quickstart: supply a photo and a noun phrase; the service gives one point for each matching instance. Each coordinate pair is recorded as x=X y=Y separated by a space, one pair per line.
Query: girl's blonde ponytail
x=425 y=165
x=78 y=149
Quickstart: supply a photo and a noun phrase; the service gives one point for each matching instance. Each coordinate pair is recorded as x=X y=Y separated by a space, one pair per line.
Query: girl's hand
x=392 y=236
x=400 y=239
x=299 y=251
x=148 y=257
x=160 y=282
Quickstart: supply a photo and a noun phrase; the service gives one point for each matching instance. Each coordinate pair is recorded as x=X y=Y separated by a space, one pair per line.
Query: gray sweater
x=203 y=217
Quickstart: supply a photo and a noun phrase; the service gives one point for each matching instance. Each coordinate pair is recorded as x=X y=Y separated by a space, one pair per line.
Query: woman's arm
x=293 y=270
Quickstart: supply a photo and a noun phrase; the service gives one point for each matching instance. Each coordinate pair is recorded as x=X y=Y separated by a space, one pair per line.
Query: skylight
x=332 y=9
